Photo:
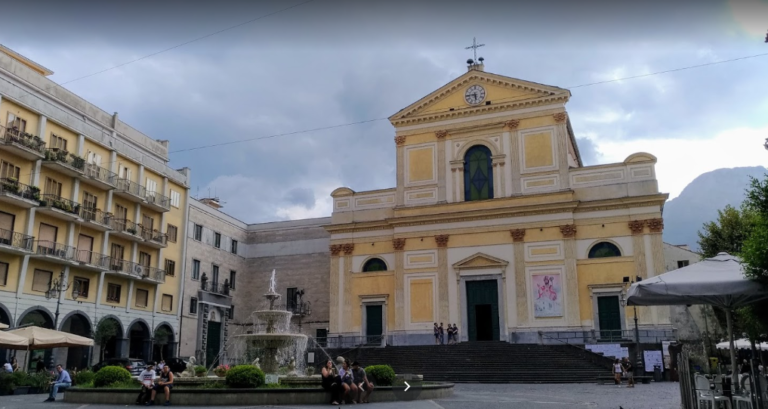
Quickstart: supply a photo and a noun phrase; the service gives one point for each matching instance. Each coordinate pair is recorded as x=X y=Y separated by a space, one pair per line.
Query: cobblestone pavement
x=476 y=396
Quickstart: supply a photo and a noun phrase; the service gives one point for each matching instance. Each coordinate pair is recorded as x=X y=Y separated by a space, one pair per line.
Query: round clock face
x=474 y=95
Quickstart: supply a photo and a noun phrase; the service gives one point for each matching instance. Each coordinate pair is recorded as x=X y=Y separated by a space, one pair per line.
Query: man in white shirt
x=147 y=379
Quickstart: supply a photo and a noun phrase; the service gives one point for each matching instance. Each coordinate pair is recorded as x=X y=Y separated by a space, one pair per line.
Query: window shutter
x=40 y=280
x=167 y=301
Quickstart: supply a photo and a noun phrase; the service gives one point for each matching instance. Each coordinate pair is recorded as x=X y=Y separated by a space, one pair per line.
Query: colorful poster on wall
x=547 y=295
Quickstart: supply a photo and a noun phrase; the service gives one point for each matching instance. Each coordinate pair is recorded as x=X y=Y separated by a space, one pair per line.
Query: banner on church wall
x=548 y=295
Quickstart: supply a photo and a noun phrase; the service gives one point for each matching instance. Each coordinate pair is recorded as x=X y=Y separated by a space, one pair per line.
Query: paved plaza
x=477 y=396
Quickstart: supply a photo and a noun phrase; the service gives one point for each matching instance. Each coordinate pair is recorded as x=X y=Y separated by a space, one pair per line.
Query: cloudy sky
x=316 y=64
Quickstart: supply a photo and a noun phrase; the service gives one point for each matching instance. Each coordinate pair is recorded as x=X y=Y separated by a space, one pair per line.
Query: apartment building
x=92 y=221
x=228 y=268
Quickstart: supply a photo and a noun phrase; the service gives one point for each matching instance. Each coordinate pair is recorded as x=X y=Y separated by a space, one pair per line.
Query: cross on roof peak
x=474 y=48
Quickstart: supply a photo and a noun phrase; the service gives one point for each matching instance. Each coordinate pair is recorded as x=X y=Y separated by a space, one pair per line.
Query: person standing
x=449 y=331
x=629 y=371
x=62 y=381
x=617 y=371
x=455 y=334
x=441 y=333
x=436 y=330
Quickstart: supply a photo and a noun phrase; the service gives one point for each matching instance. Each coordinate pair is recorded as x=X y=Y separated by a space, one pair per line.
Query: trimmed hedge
x=245 y=376
x=111 y=374
x=383 y=375
x=83 y=377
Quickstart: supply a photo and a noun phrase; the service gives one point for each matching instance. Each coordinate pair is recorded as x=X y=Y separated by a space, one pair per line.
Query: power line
x=448 y=108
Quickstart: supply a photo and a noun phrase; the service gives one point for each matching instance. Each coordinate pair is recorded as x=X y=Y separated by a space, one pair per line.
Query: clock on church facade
x=495 y=224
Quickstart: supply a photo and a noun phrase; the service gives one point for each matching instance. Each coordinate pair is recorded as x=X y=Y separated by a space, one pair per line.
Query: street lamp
x=55 y=288
x=638 y=357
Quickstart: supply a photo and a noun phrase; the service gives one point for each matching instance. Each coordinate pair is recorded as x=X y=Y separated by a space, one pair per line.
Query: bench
x=603 y=379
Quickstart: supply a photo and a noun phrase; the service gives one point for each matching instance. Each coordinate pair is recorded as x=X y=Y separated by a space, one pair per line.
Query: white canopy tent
x=42 y=338
x=717 y=281
x=3 y=326
x=742 y=343
x=12 y=341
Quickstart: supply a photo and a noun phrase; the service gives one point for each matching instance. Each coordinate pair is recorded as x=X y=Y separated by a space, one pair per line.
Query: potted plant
x=221 y=370
x=200 y=371
x=131 y=230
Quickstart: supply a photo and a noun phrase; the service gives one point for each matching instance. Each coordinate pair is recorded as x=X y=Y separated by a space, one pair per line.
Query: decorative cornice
x=335 y=249
x=398 y=244
x=399 y=140
x=518 y=235
x=442 y=240
x=568 y=230
x=348 y=248
x=560 y=116
x=656 y=225
x=636 y=226
x=441 y=134
x=512 y=124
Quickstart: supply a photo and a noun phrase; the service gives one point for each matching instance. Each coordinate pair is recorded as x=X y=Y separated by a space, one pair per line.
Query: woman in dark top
x=449 y=330
x=331 y=381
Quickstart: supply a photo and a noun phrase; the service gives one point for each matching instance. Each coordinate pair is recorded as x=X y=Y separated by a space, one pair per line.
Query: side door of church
x=609 y=316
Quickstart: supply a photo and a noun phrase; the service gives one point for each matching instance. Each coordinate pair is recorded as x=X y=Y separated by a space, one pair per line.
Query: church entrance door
x=483 y=310
x=609 y=316
x=374 y=324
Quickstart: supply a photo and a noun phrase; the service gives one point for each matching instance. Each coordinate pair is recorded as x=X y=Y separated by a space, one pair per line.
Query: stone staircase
x=488 y=362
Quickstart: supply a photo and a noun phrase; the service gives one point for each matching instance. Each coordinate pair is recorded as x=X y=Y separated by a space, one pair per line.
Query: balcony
x=15 y=242
x=21 y=144
x=154 y=238
x=158 y=202
x=64 y=162
x=59 y=208
x=18 y=194
x=96 y=219
x=126 y=229
x=55 y=252
x=216 y=288
x=90 y=260
x=95 y=175
x=135 y=270
x=130 y=190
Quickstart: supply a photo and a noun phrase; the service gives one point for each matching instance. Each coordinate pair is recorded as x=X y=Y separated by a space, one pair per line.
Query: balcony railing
x=131 y=187
x=16 y=240
x=216 y=288
x=68 y=159
x=159 y=200
x=58 y=202
x=98 y=173
x=92 y=258
x=136 y=270
x=96 y=216
x=29 y=141
x=58 y=250
x=154 y=236
x=126 y=225
x=12 y=186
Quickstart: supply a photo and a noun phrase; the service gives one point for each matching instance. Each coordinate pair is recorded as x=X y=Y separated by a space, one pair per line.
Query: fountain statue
x=292 y=367
x=277 y=340
x=256 y=363
x=190 y=371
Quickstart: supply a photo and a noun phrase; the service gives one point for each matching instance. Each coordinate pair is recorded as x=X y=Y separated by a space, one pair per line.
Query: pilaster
x=347 y=277
x=441 y=174
x=514 y=156
x=130 y=295
x=41 y=128
x=399 y=245
x=573 y=316
x=335 y=294
x=34 y=179
x=99 y=292
x=521 y=285
x=562 y=149
x=400 y=160
x=442 y=277
x=80 y=145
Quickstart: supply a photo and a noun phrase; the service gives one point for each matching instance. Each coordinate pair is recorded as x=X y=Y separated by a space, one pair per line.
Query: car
x=133 y=365
x=177 y=365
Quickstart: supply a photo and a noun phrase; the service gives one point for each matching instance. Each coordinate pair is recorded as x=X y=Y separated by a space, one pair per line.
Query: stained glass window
x=604 y=249
x=374 y=264
x=478 y=174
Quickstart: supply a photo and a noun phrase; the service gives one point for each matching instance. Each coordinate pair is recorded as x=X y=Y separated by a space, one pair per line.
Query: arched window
x=478 y=174
x=374 y=264
x=604 y=249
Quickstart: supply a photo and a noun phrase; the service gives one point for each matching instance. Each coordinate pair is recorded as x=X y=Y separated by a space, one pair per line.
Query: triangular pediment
x=504 y=93
x=480 y=260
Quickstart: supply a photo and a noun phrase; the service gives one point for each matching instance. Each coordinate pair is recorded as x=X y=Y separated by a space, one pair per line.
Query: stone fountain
x=277 y=342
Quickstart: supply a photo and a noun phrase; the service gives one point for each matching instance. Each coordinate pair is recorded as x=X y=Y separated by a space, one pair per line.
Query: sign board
x=310 y=357
x=609 y=350
x=270 y=379
x=666 y=355
x=653 y=358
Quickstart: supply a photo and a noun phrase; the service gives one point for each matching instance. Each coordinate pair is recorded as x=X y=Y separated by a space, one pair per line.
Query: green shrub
x=383 y=375
x=83 y=377
x=245 y=376
x=110 y=375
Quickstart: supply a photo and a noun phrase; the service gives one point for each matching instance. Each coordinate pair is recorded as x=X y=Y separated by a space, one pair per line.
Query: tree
x=728 y=232
x=106 y=329
x=162 y=337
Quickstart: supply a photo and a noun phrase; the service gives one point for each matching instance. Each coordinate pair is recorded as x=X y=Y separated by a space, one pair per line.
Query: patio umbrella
x=717 y=281
x=42 y=338
x=742 y=343
x=12 y=341
x=3 y=326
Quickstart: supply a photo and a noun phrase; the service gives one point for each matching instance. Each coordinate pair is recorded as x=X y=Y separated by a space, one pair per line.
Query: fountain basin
x=273 y=341
x=276 y=320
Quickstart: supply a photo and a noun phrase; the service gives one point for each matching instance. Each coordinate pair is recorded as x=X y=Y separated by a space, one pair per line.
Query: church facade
x=496 y=226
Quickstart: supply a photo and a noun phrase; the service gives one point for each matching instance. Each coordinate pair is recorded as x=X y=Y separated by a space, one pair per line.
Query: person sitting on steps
x=165 y=384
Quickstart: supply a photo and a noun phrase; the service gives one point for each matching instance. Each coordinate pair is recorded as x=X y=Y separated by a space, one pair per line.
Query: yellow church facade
x=496 y=226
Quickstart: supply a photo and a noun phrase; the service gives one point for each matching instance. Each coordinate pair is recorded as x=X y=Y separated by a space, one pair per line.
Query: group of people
x=440 y=332
x=349 y=382
x=152 y=383
x=621 y=368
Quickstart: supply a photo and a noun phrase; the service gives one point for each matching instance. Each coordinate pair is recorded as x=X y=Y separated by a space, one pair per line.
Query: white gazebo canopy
x=742 y=343
x=12 y=341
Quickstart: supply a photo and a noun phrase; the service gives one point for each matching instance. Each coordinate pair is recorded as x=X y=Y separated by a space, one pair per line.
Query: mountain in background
x=701 y=199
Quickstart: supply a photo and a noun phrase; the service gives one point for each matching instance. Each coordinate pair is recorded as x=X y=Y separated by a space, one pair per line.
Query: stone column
x=333 y=305
x=400 y=161
x=571 y=282
x=442 y=277
x=521 y=286
x=399 y=246
x=514 y=160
